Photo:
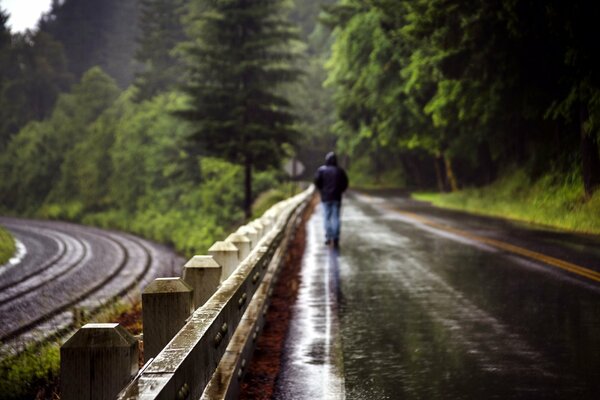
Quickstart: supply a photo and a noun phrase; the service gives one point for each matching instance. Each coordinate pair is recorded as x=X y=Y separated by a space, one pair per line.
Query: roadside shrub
x=21 y=376
x=267 y=199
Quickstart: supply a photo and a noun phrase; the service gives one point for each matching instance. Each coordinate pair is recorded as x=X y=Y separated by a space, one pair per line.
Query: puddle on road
x=311 y=366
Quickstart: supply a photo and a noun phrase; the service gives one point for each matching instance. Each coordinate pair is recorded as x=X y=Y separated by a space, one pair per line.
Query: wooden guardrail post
x=97 y=362
x=242 y=243
x=166 y=305
x=250 y=233
x=203 y=274
x=267 y=222
x=260 y=229
x=226 y=254
x=220 y=327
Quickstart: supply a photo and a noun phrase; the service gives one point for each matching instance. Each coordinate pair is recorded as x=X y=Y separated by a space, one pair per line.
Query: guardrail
x=199 y=329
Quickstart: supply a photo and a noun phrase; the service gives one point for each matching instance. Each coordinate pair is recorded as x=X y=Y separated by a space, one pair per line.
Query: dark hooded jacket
x=331 y=180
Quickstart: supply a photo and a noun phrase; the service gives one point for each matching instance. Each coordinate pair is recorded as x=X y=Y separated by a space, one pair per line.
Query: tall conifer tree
x=161 y=31
x=242 y=52
x=95 y=33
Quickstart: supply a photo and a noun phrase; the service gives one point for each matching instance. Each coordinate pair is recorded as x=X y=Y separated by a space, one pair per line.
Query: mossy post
x=166 y=305
x=227 y=255
x=97 y=362
x=203 y=274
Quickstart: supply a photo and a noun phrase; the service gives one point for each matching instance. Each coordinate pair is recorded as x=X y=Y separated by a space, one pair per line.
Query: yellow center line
x=534 y=255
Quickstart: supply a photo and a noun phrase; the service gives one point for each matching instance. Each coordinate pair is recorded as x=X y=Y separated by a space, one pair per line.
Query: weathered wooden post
x=166 y=305
x=260 y=229
x=203 y=274
x=226 y=254
x=97 y=362
x=250 y=233
x=242 y=243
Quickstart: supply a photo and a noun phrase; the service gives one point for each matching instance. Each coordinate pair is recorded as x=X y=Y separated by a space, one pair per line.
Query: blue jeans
x=331 y=214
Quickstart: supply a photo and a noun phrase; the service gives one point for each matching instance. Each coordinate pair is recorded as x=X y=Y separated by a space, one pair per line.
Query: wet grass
x=31 y=374
x=553 y=200
x=7 y=246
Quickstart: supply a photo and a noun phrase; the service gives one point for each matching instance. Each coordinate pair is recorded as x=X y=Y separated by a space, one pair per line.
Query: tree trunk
x=590 y=159
x=437 y=161
x=248 y=189
x=452 y=181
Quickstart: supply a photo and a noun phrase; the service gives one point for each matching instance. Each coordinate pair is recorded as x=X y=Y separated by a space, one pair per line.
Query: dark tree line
x=93 y=33
x=477 y=85
x=33 y=71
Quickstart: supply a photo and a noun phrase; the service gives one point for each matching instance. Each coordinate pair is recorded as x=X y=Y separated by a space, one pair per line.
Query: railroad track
x=68 y=266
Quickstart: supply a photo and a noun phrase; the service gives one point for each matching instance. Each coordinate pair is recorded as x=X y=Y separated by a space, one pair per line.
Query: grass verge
x=553 y=200
x=7 y=246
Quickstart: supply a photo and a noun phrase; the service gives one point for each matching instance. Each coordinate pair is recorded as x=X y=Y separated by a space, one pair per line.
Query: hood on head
x=330 y=158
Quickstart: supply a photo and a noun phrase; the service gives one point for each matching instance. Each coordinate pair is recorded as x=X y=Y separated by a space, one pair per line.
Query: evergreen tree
x=96 y=33
x=33 y=72
x=240 y=56
x=161 y=31
x=32 y=161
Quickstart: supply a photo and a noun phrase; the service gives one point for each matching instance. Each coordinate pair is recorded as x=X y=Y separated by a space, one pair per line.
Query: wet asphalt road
x=434 y=304
x=64 y=265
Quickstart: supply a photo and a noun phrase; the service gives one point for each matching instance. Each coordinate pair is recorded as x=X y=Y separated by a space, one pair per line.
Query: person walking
x=331 y=181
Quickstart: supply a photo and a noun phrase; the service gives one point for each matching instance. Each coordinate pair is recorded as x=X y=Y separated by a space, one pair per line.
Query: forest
x=171 y=118
x=474 y=93
x=97 y=125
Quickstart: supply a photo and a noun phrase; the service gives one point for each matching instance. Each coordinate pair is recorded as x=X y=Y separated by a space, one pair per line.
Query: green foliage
x=148 y=153
x=23 y=374
x=555 y=199
x=7 y=246
x=365 y=175
x=103 y=159
x=266 y=200
x=33 y=156
x=202 y=213
x=475 y=84
x=272 y=188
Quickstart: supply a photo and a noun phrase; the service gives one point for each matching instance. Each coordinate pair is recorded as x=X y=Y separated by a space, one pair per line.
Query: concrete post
x=242 y=243
x=250 y=233
x=226 y=254
x=97 y=362
x=203 y=274
x=166 y=304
